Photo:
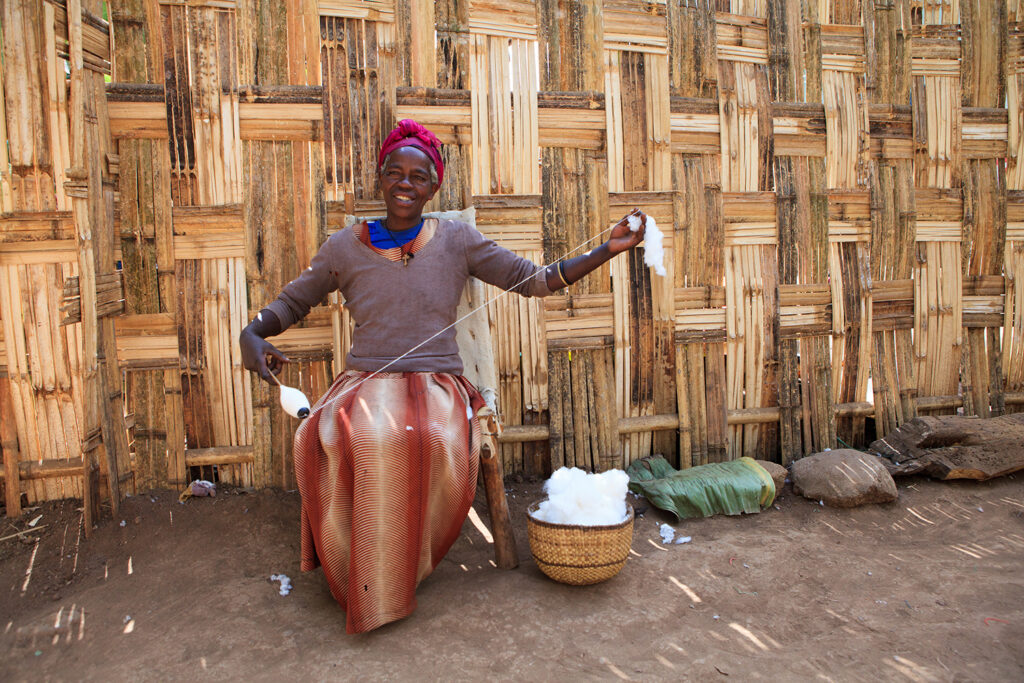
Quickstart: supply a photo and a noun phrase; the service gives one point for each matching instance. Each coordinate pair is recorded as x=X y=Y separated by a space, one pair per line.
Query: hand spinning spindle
x=293 y=401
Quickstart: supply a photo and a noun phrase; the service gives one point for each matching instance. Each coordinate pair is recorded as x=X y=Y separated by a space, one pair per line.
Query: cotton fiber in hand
x=654 y=252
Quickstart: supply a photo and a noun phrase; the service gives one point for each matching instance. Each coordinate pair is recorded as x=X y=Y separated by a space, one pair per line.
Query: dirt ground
x=928 y=588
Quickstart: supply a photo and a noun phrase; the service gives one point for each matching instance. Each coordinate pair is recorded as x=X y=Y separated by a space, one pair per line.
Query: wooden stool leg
x=505 y=555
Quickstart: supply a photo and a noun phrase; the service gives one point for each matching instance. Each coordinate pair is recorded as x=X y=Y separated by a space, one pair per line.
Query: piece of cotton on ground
x=654 y=251
x=286 y=583
x=576 y=497
x=668 y=533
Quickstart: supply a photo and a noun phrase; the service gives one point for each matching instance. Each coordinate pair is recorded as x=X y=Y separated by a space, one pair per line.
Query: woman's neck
x=402 y=224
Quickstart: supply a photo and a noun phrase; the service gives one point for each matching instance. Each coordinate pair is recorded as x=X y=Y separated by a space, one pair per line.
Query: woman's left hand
x=622 y=238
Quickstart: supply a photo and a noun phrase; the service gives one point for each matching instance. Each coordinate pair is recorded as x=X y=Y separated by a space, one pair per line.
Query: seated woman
x=387 y=460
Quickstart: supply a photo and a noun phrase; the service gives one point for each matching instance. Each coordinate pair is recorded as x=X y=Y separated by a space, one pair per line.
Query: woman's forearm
x=575 y=268
x=622 y=238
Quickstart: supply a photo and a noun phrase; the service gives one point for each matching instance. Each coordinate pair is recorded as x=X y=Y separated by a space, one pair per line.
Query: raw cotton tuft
x=576 y=497
x=286 y=583
x=654 y=252
x=668 y=533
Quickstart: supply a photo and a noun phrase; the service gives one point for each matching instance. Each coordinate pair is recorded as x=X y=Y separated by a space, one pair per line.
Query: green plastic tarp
x=718 y=488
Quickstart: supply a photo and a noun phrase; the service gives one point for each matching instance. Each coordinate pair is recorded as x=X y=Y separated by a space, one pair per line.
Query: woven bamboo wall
x=841 y=183
x=62 y=424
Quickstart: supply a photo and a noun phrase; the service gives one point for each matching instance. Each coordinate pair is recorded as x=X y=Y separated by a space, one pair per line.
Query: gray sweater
x=396 y=306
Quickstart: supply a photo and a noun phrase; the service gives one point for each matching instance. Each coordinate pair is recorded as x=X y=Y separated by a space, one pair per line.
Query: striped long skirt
x=387 y=472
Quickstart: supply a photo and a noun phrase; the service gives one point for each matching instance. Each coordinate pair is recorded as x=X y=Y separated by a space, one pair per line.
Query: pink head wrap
x=411 y=134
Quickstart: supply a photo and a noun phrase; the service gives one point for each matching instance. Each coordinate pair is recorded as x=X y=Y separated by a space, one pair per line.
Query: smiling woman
x=387 y=460
x=408 y=181
x=411 y=171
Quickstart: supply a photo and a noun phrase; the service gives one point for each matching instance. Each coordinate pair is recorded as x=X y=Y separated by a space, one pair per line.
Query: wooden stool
x=505 y=555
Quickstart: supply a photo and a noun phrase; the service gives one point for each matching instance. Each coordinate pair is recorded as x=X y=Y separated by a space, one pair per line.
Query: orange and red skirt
x=387 y=472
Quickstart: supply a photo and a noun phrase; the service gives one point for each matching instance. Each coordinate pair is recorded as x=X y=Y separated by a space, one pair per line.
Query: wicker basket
x=579 y=555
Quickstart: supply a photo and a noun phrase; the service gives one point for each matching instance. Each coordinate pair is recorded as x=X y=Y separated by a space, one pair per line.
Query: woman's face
x=406 y=184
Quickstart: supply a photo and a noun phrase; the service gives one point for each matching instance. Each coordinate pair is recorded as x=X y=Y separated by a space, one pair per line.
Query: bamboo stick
x=6 y=192
x=72 y=340
x=738 y=417
x=228 y=340
x=622 y=345
x=57 y=106
x=480 y=127
x=751 y=367
x=84 y=225
x=241 y=397
x=11 y=452
x=220 y=455
x=613 y=112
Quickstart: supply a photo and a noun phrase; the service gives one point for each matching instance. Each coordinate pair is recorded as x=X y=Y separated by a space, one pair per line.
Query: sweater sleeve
x=309 y=288
x=501 y=267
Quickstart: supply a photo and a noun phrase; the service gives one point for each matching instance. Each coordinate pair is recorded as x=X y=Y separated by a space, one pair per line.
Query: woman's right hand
x=260 y=356
x=622 y=238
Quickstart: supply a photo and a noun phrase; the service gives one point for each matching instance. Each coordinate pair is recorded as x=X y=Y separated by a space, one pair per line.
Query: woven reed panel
x=839 y=184
x=794 y=156
x=60 y=402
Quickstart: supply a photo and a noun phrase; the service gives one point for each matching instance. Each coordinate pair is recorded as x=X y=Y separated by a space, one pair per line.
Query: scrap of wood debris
x=955 y=447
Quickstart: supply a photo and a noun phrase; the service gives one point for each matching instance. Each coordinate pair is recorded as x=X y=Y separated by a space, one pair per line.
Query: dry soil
x=930 y=587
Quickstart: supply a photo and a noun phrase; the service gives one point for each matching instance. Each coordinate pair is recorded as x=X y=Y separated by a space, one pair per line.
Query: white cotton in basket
x=576 y=497
x=654 y=252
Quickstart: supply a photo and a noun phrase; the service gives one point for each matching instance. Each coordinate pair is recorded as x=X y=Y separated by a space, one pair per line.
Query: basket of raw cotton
x=582 y=533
